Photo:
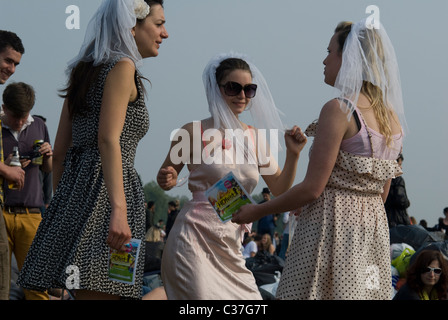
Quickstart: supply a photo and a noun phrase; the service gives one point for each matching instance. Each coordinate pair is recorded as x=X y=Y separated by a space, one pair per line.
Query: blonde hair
x=383 y=114
x=153 y=235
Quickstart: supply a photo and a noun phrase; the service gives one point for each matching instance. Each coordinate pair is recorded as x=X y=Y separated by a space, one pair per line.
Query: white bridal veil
x=368 y=55
x=109 y=35
x=262 y=108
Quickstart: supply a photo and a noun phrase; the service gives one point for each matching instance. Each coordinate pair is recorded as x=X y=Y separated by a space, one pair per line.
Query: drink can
x=37 y=157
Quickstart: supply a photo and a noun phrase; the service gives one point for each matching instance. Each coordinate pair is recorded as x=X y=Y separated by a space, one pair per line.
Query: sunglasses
x=435 y=270
x=234 y=88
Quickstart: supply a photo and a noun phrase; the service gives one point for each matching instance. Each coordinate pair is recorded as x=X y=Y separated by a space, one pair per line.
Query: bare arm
x=117 y=93
x=386 y=190
x=61 y=144
x=333 y=125
x=47 y=153
x=169 y=171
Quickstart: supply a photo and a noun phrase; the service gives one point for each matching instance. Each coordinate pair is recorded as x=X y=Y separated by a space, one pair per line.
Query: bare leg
x=156 y=294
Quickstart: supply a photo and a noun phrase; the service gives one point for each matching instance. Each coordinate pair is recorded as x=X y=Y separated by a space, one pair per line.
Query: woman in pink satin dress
x=202 y=259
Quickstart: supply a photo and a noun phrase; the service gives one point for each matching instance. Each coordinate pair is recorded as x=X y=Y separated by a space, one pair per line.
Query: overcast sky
x=287 y=40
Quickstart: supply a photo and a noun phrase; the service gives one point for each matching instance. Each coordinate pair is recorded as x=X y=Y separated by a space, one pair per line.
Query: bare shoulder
x=333 y=121
x=125 y=61
x=125 y=67
x=193 y=126
x=332 y=108
x=121 y=80
x=188 y=127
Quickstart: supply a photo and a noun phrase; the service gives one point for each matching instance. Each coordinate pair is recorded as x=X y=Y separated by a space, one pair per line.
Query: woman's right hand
x=295 y=140
x=167 y=178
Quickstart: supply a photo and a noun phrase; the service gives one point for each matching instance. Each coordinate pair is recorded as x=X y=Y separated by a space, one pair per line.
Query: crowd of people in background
x=270 y=237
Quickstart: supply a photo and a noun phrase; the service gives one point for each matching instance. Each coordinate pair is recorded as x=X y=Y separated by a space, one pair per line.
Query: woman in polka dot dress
x=340 y=247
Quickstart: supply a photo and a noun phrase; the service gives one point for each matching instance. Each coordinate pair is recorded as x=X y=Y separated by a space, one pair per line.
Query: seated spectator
x=266 y=244
x=250 y=247
x=154 y=249
x=426 y=278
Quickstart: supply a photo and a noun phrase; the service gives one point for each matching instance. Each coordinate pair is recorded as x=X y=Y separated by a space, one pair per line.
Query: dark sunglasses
x=234 y=88
x=435 y=270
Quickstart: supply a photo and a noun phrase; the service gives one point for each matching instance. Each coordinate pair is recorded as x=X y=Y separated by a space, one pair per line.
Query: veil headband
x=108 y=34
x=263 y=110
x=369 y=56
x=262 y=107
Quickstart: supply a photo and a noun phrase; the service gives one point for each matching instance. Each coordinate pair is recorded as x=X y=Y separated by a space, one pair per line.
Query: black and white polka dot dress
x=340 y=247
x=71 y=239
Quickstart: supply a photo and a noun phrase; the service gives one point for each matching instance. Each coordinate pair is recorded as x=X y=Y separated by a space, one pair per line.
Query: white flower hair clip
x=142 y=9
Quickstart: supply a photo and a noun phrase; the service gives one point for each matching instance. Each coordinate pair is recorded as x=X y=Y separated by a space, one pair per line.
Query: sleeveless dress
x=202 y=259
x=71 y=239
x=340 y=247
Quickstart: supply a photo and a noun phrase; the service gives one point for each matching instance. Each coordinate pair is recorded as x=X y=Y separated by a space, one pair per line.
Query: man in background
x=11 y=51
x=22 y=208
x=397 y=201
x=267 y=224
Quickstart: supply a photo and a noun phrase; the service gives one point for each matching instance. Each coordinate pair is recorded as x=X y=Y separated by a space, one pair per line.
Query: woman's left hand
x=46 y=150
x=295 y=140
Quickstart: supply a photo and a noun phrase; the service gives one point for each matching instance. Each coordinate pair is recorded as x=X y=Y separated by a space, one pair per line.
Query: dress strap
x=367 y=129
x=352 y=107
x=357 y=114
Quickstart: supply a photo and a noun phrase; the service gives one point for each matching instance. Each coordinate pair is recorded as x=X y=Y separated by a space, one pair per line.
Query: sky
x=287 y=40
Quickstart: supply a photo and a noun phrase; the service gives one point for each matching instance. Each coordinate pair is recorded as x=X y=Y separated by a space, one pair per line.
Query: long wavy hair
x=374 y=94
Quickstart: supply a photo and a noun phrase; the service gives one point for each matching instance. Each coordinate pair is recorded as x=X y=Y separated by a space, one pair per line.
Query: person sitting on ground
x=426 y=278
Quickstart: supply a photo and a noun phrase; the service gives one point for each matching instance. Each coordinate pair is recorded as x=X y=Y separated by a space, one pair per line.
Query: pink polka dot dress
x=340 y=247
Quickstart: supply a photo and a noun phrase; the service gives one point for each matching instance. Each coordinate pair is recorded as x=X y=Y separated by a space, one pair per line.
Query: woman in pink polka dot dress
x=340 y=247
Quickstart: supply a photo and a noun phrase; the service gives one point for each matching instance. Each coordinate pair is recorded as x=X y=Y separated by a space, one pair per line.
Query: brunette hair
x=80 y=79
x=422 y=261
x=10 y=39
x=150 y=3
x=19 y=98
x=228 y=65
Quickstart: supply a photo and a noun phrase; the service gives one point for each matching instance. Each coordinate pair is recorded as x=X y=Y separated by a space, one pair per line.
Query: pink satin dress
x=202 y=259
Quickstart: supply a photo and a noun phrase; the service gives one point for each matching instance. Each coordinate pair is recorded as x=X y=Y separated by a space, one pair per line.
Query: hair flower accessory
x=142 y=9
